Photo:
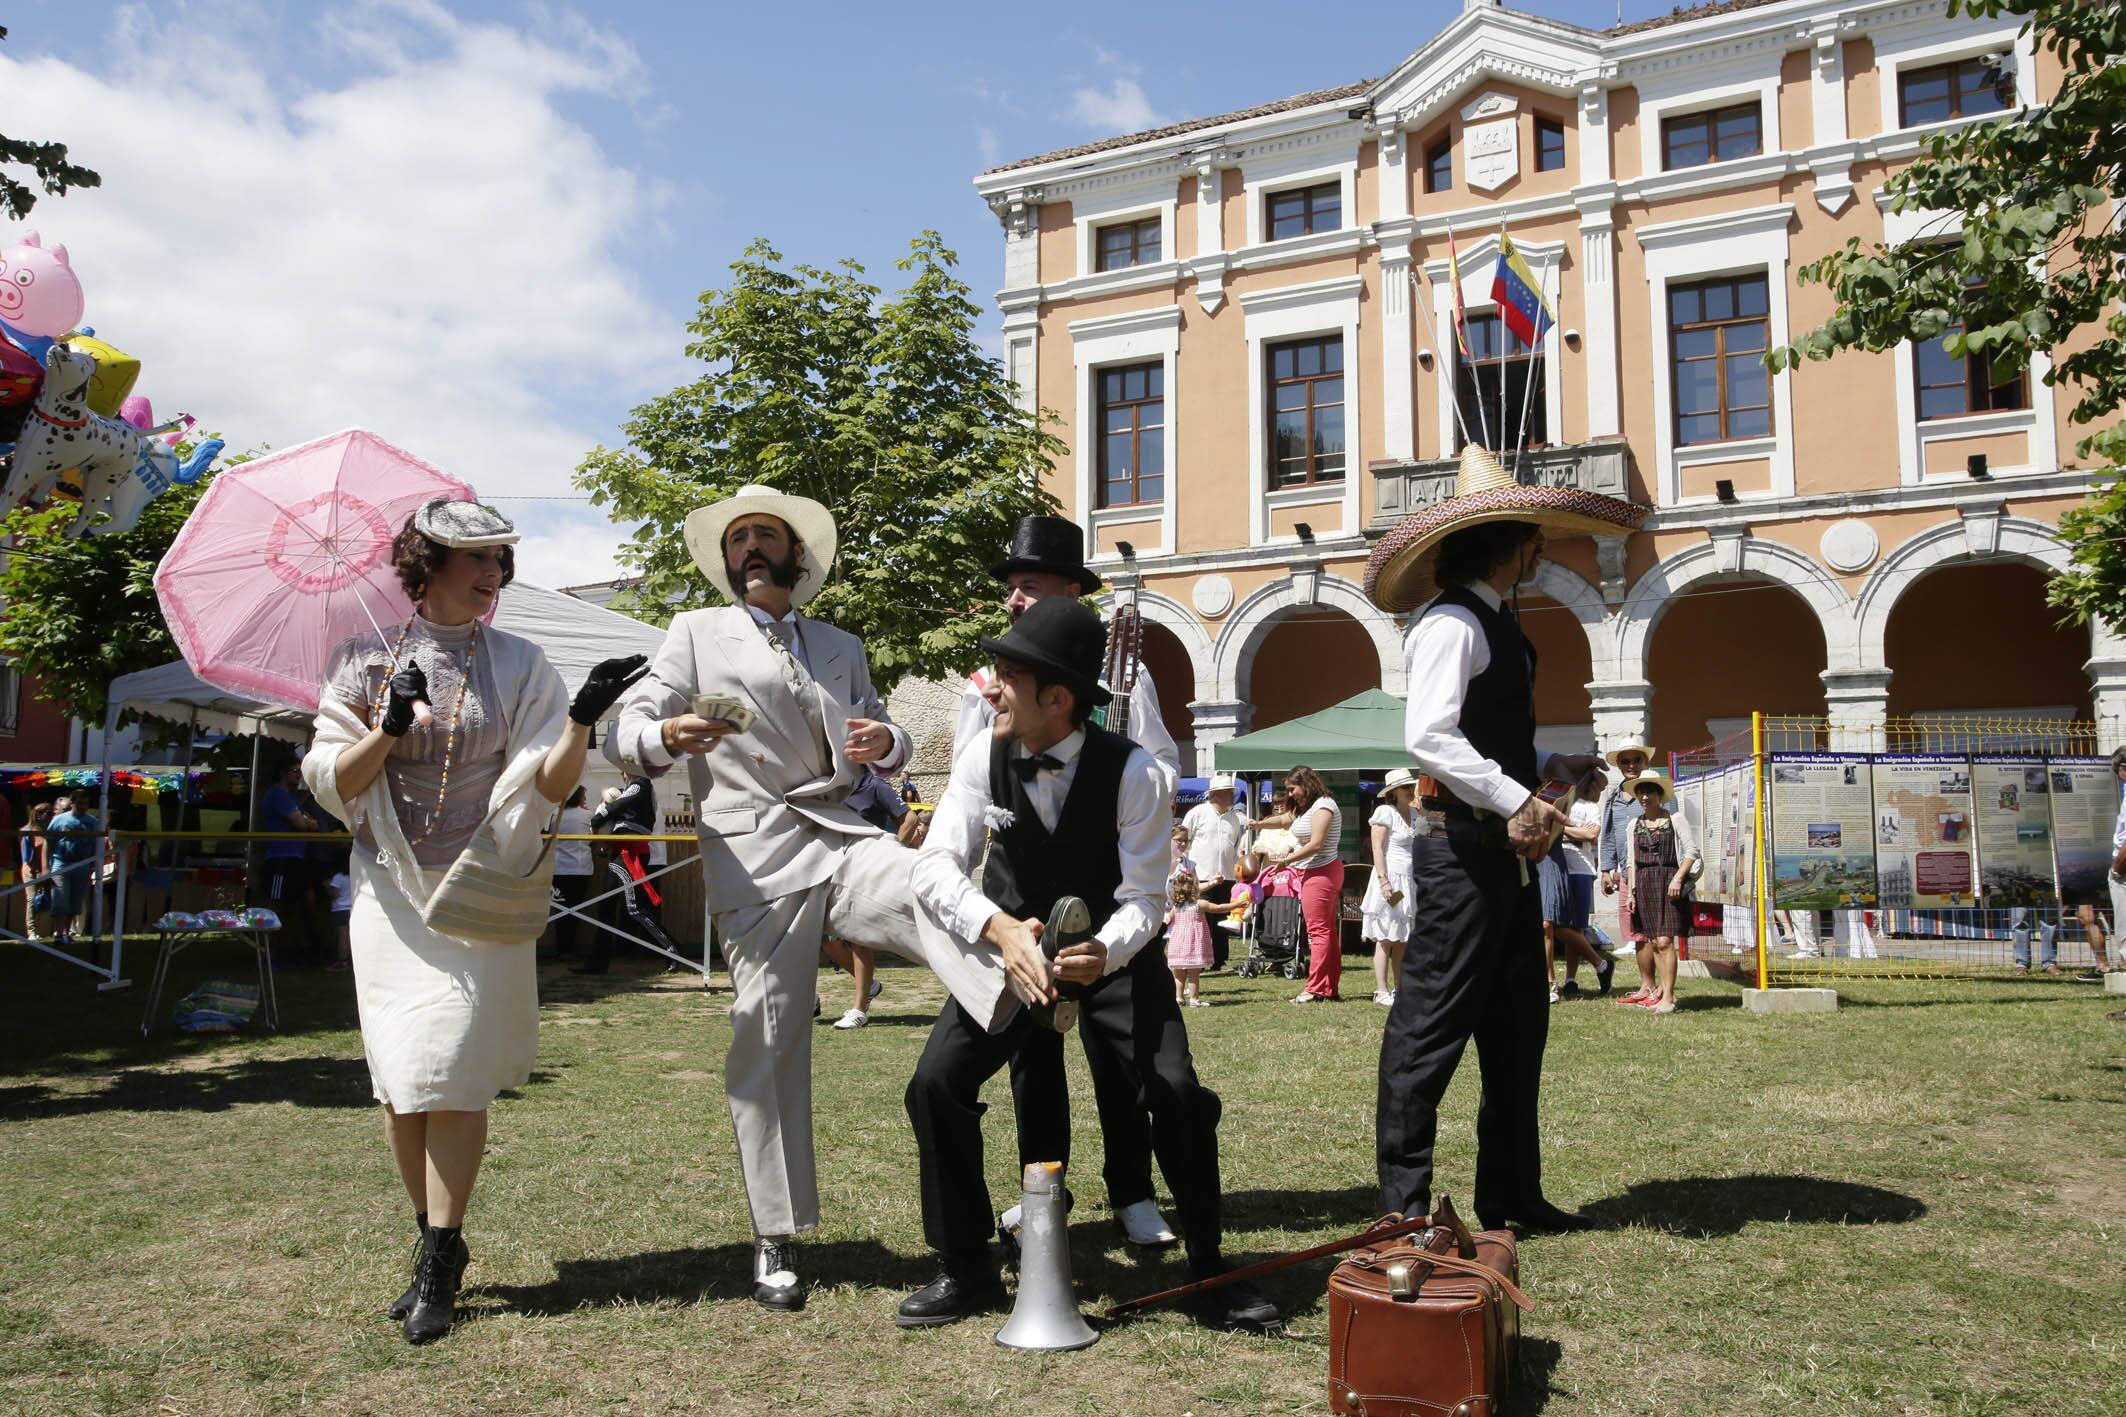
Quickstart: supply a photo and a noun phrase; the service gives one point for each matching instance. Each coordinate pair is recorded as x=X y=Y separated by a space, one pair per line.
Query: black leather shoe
x=959 y=1290
x=1239 y=1306
x=775 y=1282
x=436 y=1278
x=1542 y=1218
x=1607 y=970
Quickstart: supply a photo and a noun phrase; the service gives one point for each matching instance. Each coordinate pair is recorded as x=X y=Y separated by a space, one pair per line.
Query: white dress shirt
x=1214 y=840
x=1147 y=728
x=942 y=876
x=1446 y=649
x=657 y=755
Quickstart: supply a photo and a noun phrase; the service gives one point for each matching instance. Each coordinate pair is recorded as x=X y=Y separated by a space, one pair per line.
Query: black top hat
x=1061 y=636
x=1049 y=544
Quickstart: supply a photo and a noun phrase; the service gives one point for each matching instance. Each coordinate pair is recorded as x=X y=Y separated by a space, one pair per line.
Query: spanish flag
x=1520 y=302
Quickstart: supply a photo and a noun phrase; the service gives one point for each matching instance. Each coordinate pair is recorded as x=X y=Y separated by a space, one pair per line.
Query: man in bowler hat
x=1077 y=820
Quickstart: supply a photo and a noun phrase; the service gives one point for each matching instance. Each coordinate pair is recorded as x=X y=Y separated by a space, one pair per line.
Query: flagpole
x=1528 y=383
x=1461 y=345
x=1417 y=287
x=1499 y=314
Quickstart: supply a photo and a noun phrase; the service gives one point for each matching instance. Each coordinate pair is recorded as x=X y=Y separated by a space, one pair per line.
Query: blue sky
x=480 y=227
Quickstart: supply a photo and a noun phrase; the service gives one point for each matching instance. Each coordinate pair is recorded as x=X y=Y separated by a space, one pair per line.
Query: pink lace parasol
x=287 y=556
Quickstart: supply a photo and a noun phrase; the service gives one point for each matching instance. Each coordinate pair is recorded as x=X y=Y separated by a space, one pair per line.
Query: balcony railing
x=1400 y=488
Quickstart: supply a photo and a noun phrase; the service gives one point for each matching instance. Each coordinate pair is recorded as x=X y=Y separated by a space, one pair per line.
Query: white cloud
x=429 y=248
x=986 y=139
x=1121 y=107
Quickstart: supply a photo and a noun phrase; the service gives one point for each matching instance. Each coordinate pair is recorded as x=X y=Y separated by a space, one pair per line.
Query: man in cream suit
x=785 y=859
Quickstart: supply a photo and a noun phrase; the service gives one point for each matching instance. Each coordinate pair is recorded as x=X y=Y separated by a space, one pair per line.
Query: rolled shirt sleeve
x=942 y=878
x=1445 y=651
x=1145 y=820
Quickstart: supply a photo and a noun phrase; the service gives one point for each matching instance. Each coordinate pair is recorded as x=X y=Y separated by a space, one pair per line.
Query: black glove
x=406 y=686
x=607 y=682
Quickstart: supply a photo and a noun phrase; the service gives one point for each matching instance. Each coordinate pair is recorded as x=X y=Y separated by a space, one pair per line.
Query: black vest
x=1498 y=710
x=1029 y=866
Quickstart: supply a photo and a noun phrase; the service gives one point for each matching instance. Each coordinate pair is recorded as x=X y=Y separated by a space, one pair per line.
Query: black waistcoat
x=1029 y=866
x=1498 y=711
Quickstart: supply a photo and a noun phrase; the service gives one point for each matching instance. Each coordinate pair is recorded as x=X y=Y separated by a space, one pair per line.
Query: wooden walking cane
x=1388 y=1227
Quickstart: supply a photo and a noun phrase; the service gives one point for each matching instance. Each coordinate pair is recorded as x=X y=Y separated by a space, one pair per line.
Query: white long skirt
x=446 y=1025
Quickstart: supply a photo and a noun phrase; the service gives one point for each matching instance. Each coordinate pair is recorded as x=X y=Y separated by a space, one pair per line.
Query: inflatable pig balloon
x=39 y=295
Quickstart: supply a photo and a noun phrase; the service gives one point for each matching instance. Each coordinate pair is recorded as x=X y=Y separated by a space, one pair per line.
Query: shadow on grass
x=1708 y=1207
x=1531 y=1378
x=701 y=1275
x=306 y=1082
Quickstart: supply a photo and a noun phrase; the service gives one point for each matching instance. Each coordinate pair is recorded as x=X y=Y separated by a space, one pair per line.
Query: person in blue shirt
x=74 y=852
x=290 y=881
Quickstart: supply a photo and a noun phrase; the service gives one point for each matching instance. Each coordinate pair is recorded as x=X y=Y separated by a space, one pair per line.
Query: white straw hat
x=809 y=522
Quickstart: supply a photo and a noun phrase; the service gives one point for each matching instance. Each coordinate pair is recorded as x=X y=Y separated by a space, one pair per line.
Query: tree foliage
x=77 y=613
x=885 y=410
x=2040 y=260
x=47 y=161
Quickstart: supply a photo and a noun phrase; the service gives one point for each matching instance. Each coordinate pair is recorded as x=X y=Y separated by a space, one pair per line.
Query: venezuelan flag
x=1520 y=302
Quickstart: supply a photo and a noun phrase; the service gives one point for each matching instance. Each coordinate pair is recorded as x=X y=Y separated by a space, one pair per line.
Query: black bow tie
x=1026 y=768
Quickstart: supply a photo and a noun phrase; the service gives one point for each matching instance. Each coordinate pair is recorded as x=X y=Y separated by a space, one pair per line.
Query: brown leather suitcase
x=1426 y=1325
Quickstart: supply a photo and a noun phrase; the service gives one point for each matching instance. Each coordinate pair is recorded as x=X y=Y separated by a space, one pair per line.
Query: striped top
x=1304 y=830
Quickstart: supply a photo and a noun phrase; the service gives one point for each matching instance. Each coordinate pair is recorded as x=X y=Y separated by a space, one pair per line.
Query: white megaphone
x=1045 y=1316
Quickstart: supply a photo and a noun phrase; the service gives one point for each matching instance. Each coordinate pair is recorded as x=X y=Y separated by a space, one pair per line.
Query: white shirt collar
x=1482 y=591
x=1065 y=752
x=762 y=617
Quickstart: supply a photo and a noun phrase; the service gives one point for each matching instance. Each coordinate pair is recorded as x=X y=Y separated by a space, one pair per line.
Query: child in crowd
x=341 y=890
x=1188 y=936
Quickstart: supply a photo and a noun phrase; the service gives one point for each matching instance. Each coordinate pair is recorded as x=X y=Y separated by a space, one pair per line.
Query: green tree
x=47 y=161
x=884 y=410
x=77 y=613
x=2041 y=260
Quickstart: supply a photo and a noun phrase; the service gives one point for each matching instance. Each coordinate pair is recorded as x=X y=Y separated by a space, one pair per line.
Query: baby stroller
x=1278 y=940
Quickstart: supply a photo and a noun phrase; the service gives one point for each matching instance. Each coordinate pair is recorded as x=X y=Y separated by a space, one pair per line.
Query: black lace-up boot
x=435 y=1284
x=403 y=1305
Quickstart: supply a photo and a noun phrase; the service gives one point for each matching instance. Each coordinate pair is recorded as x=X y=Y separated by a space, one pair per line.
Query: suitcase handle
x=1379 y=1259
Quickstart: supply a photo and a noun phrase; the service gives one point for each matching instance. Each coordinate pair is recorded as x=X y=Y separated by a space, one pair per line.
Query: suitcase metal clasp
x=1400 y=1283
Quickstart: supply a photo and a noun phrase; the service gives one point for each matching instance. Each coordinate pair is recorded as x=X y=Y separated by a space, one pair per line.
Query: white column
x=1598 y=266
x=1216 y=721
x=1209 y=265
x=1020 y=212
x=1622 y=711
x=1833 y=165
x=1398 y=367
x=1859 y=702
x=2107 y=689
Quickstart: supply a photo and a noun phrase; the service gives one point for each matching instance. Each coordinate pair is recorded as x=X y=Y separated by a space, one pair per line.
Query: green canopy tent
x=1364 y=733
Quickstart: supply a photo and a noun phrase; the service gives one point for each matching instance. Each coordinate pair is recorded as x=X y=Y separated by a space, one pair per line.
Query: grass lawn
x=1913 y=1205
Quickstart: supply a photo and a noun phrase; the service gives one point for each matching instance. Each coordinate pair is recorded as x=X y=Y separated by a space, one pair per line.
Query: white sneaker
x=1009 y=1220
x=855 y=1018
x=1553 y=994
x=1144 y=1225
x=1383 y=997
x=1306 y=997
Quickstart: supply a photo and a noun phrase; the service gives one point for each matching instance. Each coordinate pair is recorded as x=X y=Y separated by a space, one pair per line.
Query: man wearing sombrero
x=1046 y=561
x=785 y=859
x=1474 y=964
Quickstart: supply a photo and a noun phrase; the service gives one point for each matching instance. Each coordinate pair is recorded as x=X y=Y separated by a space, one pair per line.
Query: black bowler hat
x=1061 y=636
x=1049 y=544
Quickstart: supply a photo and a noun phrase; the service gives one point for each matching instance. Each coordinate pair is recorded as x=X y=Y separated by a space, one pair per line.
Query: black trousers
x=641 y=914
x=1473 y=969
x=568 y=931
x=1040 y=1103
x=1129 y=1019
x=1219 y=894
x=290 y=893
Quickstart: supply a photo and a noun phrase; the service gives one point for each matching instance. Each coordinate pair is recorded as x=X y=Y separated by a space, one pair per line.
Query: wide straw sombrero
x=1399 y=573
x=811 y=523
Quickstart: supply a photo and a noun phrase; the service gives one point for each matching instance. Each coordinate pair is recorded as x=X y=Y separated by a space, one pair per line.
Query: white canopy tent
x=575 y=634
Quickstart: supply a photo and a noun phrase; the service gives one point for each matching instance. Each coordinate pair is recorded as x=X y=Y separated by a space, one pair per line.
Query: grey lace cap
x=463 y=524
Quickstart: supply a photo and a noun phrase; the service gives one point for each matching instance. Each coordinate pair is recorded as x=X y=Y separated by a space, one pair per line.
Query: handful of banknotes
x=727 y=707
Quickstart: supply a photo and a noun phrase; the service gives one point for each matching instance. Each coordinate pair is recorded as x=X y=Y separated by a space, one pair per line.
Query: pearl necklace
x=457 y=714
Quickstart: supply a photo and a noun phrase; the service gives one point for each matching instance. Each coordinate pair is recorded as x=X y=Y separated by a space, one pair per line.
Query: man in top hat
x=786 y=860
x=1474 y=964
x=1077 y=822
x=1046 y=560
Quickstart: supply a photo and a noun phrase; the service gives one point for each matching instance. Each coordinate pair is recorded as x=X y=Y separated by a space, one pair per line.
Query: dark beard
x=785 y=573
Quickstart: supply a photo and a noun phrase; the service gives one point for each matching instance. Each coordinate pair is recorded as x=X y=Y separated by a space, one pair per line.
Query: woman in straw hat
x=1474 y=964
x=1659 y=857
x=1392 y=829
